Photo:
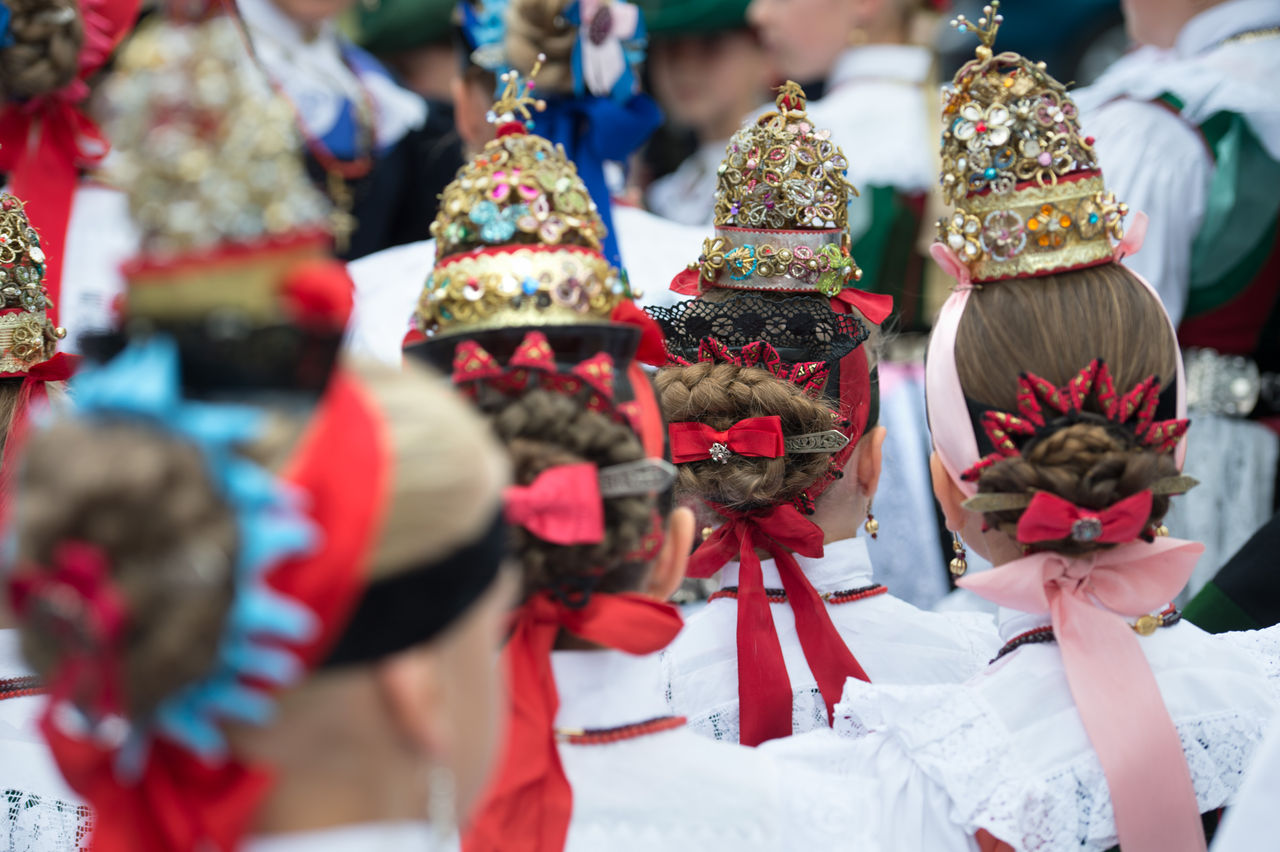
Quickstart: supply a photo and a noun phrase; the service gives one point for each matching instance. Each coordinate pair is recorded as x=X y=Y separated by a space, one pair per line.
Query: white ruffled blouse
x=1006 y=751
x=366 y=837
x=892 y=640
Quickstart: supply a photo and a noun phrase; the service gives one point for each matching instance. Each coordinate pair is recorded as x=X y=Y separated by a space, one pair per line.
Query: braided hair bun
x=45 y=55
x=539 y=27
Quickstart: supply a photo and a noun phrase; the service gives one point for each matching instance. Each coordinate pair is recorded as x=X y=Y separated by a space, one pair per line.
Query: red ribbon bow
x=764 y=688
x=1050 y=518
x=562 y=505
x=760 y=437
x=529 y=803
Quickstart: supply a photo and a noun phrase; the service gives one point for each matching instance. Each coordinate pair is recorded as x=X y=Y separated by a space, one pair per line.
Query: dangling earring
x=1161 y=530
x=958 y=564
x=442 y=801
x=871 y=525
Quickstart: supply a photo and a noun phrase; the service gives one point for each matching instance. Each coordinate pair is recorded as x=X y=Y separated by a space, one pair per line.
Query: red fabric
x=1050 y=517
x=855 y=407
x=649 y=423
x=562 y=505
x=688 y=282
x=319 y=292
x=529 y=803
x=652 y=349
x=45 y=141
x=764 y=688
x=876 y=307
x=760 y=437
x=59 y=368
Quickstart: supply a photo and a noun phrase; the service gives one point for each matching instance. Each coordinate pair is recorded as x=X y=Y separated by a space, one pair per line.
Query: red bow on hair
x=764 y=687
x=652 y=348
x=756 y=436
x=1050 y=518
x=876 y=307
x=529 y=803
x=562 y=505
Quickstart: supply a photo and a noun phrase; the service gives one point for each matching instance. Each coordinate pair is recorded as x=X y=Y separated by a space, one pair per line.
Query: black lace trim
x=801 y=329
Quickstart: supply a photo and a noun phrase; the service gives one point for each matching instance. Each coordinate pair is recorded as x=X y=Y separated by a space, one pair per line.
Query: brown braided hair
x=720 y=395
x=539 y=27
x=45 y=55
x=543 y=429
x=1053 y=326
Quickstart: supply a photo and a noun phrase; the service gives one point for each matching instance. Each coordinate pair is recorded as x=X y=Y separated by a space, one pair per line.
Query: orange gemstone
x=1065 y=221
x=1047 y=210
x=1044 y=239
x=1033 y=225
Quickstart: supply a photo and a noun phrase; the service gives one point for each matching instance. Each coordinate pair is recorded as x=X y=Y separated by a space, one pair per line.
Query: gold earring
x=871 y=525
x=958 y=564
x=1161 y=530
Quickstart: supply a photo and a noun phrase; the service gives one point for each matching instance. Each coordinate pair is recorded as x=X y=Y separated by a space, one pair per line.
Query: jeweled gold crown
x=27 y=336
x=782 y=207
x=209 y=157
x=1025 y=180
x=517 y=236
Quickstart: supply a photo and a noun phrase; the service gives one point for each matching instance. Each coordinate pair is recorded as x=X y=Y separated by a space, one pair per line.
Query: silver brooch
x=720 y=452
x=1086 y=530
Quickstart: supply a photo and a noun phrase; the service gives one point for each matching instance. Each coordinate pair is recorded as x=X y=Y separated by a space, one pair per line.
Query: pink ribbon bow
x=1049 y=518
x=562 y=505
x=755 y=436
x=1115 y=691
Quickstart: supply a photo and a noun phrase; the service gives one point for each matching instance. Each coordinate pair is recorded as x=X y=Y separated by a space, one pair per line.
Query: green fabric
x=885 y=251
x=1235 y=238
x=397 y=25
x=1213 y=611
x=693 y=17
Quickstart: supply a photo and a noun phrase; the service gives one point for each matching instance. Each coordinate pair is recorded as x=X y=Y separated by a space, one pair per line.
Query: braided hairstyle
x=45 y=55
x=543 y=429
x=1053 y=326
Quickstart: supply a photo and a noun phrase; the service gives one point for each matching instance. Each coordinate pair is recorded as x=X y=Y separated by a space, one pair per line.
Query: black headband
x=415 y=606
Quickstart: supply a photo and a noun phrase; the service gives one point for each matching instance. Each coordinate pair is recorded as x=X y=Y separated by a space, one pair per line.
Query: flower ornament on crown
x=27 y=336
x=782 y=209
x=518 y=238
x=1029 y=195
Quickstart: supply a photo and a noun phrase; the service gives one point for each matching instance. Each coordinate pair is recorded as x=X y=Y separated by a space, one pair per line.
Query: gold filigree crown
x=27 y=336
x=1024 y=178
x=782 y=207
x=518 y=237
x=209 y=157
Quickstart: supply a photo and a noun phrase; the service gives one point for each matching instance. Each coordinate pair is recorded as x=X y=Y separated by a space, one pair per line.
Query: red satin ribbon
x=528 y=806
x=59 y=368
x=756 y=436
x=764 y=688
x=876 y=307
x=1050 y=518
x=45 y=141
x=652 y=348
x=562 y=505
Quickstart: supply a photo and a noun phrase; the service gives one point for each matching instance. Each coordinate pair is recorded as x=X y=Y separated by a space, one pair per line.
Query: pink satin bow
x=562 y=505
x=1115 y=691
x=755 y=436
x=1050 y=518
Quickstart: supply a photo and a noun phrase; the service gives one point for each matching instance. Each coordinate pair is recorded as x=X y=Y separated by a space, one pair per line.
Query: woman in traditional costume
x=772 y=400
x=1056 y=403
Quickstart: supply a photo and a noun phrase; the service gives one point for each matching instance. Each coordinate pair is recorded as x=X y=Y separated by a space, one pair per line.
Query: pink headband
x=1087 y=599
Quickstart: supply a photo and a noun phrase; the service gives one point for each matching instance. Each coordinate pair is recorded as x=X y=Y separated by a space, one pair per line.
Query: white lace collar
x=608 y=689
x=12 y=663
x=902 y=63
x=844 y=565
x=1219 y=23
x=366 y=837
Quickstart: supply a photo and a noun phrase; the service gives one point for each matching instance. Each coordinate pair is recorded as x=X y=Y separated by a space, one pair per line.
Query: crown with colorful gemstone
x=209 y=157
x=518 y=237
x=782 y=208
x=1024 y=178
x=27 y=336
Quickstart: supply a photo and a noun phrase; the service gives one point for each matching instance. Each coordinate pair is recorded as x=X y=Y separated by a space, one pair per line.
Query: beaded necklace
x=19 y=687
x=1144 y=626
x=780 y=595
x=605 y=736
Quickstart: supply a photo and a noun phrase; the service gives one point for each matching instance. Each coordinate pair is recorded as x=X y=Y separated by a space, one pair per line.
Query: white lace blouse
x=892 y=640
x=366 y=837
x=1006 y=751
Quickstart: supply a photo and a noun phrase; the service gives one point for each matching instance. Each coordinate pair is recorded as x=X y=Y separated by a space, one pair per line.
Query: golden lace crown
x=1025 y=181
x=27 y=337
x=782 y=207
x=208 y=155
x=517 y=236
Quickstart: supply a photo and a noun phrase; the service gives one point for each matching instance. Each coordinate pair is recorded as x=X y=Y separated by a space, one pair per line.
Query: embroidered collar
x=898 y=63
x=608 y=689
x=844 y=565
x=1218 y=23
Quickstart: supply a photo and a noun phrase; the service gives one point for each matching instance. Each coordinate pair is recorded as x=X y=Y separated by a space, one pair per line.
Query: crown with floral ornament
x=27 y=336
x=1024 y=178
x=209 y=157
x=782 y=209
x=518 y=237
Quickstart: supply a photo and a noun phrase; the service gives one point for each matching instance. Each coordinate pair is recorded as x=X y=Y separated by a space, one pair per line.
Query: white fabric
x=1007 y=752
x=367 y=837
x=892 y=640
x=688 y=195
x=675 y=791
x=388 y=283
x=1157 y=162
x=317 y=79
x=41 y=814
x=876 y=110
x=1250 y=822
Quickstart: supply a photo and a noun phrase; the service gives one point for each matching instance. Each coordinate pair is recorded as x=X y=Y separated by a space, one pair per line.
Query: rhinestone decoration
x=1086 y=530
x=720 y=453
